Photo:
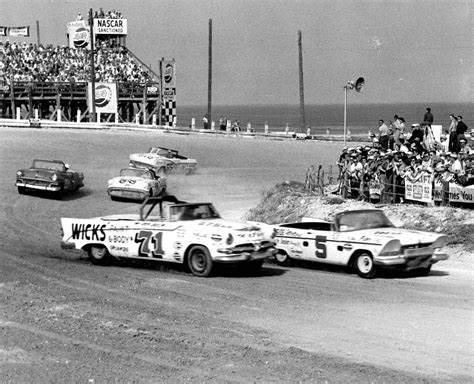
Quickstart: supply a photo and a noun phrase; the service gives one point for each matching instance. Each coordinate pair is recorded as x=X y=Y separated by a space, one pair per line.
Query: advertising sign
x=421 y=190
x=79 y=36
x=105 y=97
x=19 y=31
x=110 y=26
x=457 y=193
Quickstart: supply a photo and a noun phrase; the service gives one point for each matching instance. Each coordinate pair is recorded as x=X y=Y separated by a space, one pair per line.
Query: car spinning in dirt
x=166 y=229
x=136 y=184
x=163 y=160
x=364 y=240
x=52 y=176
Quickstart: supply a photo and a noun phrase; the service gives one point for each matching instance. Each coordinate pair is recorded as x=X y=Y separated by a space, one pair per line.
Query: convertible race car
x=167 y=229
x=52 y=176
x=136 y=184
x=365 y=240
x=163 y=160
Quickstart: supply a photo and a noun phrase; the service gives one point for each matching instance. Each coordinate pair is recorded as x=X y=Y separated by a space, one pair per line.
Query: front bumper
x=412 y=259
x=225 y=256
x=39 y=186
x=132 y=194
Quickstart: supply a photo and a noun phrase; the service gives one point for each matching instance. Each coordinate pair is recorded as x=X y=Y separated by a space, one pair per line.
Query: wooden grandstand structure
x=137 y=102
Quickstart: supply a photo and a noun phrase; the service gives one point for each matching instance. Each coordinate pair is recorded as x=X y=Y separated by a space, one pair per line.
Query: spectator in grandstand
x=464 y=148
x=461 y=128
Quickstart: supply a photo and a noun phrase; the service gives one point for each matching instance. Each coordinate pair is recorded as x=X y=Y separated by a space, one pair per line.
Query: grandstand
x=47 y=81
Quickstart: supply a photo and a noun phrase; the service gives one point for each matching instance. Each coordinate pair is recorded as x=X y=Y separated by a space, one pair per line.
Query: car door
x=157 y=240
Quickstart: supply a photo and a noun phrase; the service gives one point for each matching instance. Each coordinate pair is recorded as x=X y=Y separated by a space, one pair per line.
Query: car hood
x=148 y=158
x=128 y=182
x=405 y=236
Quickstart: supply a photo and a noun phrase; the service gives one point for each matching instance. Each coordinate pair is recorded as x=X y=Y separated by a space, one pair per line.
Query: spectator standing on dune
x=428 y=118
x=384 y=133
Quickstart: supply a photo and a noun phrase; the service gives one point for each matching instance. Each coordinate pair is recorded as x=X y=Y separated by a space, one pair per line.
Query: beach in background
x=360 y=117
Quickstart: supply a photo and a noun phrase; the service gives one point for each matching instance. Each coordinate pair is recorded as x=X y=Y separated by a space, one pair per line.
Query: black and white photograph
x=237 y=191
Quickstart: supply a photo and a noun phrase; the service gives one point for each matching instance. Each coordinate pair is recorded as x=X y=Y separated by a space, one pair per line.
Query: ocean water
x=360 y=118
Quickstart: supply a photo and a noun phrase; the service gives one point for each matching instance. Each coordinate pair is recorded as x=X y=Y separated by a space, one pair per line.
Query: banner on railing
x=105 y=97
x=420 y=190
x=110 y=26
x=457 y=193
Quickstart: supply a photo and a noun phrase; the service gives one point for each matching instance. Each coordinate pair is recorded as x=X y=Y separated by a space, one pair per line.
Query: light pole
x=357 y=85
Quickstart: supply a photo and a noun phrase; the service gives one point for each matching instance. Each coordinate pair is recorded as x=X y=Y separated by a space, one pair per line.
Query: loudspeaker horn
x=357 y=84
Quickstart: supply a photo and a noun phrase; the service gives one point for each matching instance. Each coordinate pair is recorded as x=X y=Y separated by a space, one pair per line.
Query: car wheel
x=21 y=190
x=282 y=258
x=365 y=266
x=199 y=261
x=99 y=255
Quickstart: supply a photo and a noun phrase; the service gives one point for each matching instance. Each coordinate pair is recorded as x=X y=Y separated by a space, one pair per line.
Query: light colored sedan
x=136 y=184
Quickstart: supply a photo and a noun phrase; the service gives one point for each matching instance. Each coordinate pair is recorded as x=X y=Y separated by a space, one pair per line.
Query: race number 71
x=145 y=238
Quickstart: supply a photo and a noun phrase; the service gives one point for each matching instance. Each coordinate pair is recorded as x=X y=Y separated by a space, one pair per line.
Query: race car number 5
x=321 y=247
x=144 y=238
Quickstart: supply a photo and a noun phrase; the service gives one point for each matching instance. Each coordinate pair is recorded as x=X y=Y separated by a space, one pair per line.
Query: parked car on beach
x=136 y=184
x=51 y=176
x=364 y=240
x=163 y=160
x=166 y=229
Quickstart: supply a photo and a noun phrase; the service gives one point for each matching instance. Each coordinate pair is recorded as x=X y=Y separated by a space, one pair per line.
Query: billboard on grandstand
x=110 y=26
x=18 y=31
x=105 y=97
x=168 y=91
x=79 y=35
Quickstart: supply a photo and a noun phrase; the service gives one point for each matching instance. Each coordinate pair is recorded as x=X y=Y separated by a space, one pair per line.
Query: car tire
x=99 y=255
x=282 y=258
x=364 y=264
x=22 y=190
x=199 y=261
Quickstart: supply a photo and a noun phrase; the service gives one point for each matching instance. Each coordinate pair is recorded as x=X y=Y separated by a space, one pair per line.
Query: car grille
x=253 y=247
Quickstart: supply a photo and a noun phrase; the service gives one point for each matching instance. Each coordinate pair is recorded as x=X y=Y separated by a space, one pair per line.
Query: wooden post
x=91 y=25
x=300 y=50
x=38 y=39
x=144 y=103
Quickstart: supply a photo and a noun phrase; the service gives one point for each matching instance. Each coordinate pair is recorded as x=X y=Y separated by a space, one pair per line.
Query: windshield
x=354 y=221
x=164 y=152
x=51 y=165
x=193 y=212
x=131 y=172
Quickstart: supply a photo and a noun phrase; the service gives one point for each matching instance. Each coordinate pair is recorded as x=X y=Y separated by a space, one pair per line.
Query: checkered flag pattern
x=169 y=112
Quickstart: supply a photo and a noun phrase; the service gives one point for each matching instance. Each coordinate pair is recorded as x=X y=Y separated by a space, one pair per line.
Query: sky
x=407 y=51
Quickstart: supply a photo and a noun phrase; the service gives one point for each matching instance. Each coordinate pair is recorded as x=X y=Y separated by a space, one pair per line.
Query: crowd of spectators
x=378 y=172
x=46 y=63
x=112 y=14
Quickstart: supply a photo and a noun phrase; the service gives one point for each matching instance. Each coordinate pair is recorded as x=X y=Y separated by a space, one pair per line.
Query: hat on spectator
x=371 y=157
x=376 y=140
x=454 y=155
x=344 y=149
x=461 y=140
x=415 y=125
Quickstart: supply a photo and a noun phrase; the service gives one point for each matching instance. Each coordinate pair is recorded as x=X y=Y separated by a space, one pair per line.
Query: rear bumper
x=40 y=187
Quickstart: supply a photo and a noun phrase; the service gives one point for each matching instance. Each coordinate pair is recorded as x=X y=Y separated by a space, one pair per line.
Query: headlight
x=230 y=239
x=54 y=177
x=392 y=248
x=19 y=173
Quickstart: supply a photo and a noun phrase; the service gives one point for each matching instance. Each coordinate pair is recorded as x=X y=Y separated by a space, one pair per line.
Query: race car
x=163 y=160
x=136 y=184
x=364 y=240
x=52 y=176
x=167 y=229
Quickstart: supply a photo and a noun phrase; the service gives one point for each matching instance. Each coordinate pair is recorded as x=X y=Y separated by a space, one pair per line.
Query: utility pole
x=38 y=32
x=91 y=26
x=300 y=50
x=209 y=76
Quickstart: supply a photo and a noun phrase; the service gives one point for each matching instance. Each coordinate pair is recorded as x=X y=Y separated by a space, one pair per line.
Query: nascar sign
x=105 y=97
x=110 y=26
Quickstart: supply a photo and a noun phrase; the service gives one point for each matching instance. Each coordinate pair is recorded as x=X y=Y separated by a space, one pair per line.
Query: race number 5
x=321 y=247
x=144 y=238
